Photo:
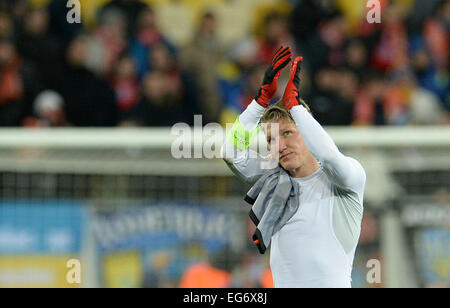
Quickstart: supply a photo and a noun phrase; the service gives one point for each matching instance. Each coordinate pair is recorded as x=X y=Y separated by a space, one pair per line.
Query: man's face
x=286 y=144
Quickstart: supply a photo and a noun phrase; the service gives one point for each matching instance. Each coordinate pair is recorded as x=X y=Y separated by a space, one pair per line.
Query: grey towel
x=275 y=199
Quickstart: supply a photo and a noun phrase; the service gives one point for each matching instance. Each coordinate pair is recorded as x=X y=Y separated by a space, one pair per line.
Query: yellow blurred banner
x=35 y=272
x=123 y=270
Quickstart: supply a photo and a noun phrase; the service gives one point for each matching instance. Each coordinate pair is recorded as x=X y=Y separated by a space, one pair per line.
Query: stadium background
x=86 y=169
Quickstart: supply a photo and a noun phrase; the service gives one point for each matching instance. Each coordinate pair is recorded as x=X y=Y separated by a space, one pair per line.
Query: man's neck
x=309 y=167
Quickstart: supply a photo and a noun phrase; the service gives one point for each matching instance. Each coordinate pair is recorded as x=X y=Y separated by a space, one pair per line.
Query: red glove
x=269 y=86
x=291 y=93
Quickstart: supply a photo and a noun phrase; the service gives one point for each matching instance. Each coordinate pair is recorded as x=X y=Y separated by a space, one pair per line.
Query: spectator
x=89 y=100
x=200 y=59
x=237 y=96
x=276 y=34
x=164 y=63
x=157 y=106
x=213 y=273
x=59 y=27
x=347 y=90
x=216 y=83
x=306 y=17
x=327 y=47
x=420 y=12
x=48 y=111
x=369 y=102
x=380 y=102
x=8 y=5
x=18 y=85
x=266 y=279
x=158 y=275
x=147 y=36
x=428 y=74
x=126 y=84
x=165 y=89
x=332 y=99
x=391 y=50
x=234 y=74
x=203 y=275
x=436 y=33
x=423 y=107
x=15 y=8
x=130 y=8
x=111 y=34
x=356 y=57
x=6 y=26
x=46 y=57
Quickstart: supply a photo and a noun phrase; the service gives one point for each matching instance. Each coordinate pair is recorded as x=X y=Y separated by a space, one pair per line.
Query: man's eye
x=287 y=133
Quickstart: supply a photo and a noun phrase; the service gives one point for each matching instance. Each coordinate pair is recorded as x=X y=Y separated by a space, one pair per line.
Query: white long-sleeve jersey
x=316 y=247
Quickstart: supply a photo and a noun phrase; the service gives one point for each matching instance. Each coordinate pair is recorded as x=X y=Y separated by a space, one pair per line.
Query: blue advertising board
x=165 y=224
x=167 y=237
x=46 y=227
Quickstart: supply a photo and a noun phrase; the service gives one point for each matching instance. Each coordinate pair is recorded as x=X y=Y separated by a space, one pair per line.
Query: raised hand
x=269 y=86
x=291 y=96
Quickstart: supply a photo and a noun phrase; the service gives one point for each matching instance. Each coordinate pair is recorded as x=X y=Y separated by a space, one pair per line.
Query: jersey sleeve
x=343 y=171
x=246 y=163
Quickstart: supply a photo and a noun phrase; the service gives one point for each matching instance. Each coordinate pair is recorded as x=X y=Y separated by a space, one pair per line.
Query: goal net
x=135 y=216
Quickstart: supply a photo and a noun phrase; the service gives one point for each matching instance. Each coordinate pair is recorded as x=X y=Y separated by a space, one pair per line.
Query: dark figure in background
x=6 y=25
x=48 y=111
x=356 y=57
x=38 y=46
x=59 y=26
x=371 y=103
x=126 y=84
x=276 y=33
x=332 y=100
x=214 y=272
x=199 y=58
x=18 y=85
x=157 y=106
x=166 y=94
x=131 y=8
x=327 y=47
x=146 y=37
x=306 y=17
x=89 y=100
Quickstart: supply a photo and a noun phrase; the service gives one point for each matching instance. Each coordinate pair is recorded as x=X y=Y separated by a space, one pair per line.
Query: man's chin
x=292 y=164
x=288 y=166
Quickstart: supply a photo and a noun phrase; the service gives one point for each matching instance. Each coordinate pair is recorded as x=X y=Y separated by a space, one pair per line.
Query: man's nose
x=281 y=145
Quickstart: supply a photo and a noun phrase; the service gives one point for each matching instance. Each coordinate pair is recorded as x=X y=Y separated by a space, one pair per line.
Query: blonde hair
x=278 y=111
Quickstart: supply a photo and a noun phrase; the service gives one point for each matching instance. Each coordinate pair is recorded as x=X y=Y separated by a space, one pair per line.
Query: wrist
x=263 y=103
x=290 y=102
x=251 y=116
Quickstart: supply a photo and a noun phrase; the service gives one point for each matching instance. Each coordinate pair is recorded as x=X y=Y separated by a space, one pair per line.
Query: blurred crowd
x=125 y=71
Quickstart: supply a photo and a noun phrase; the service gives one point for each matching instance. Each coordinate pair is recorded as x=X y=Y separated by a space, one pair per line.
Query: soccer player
x=314 y=246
